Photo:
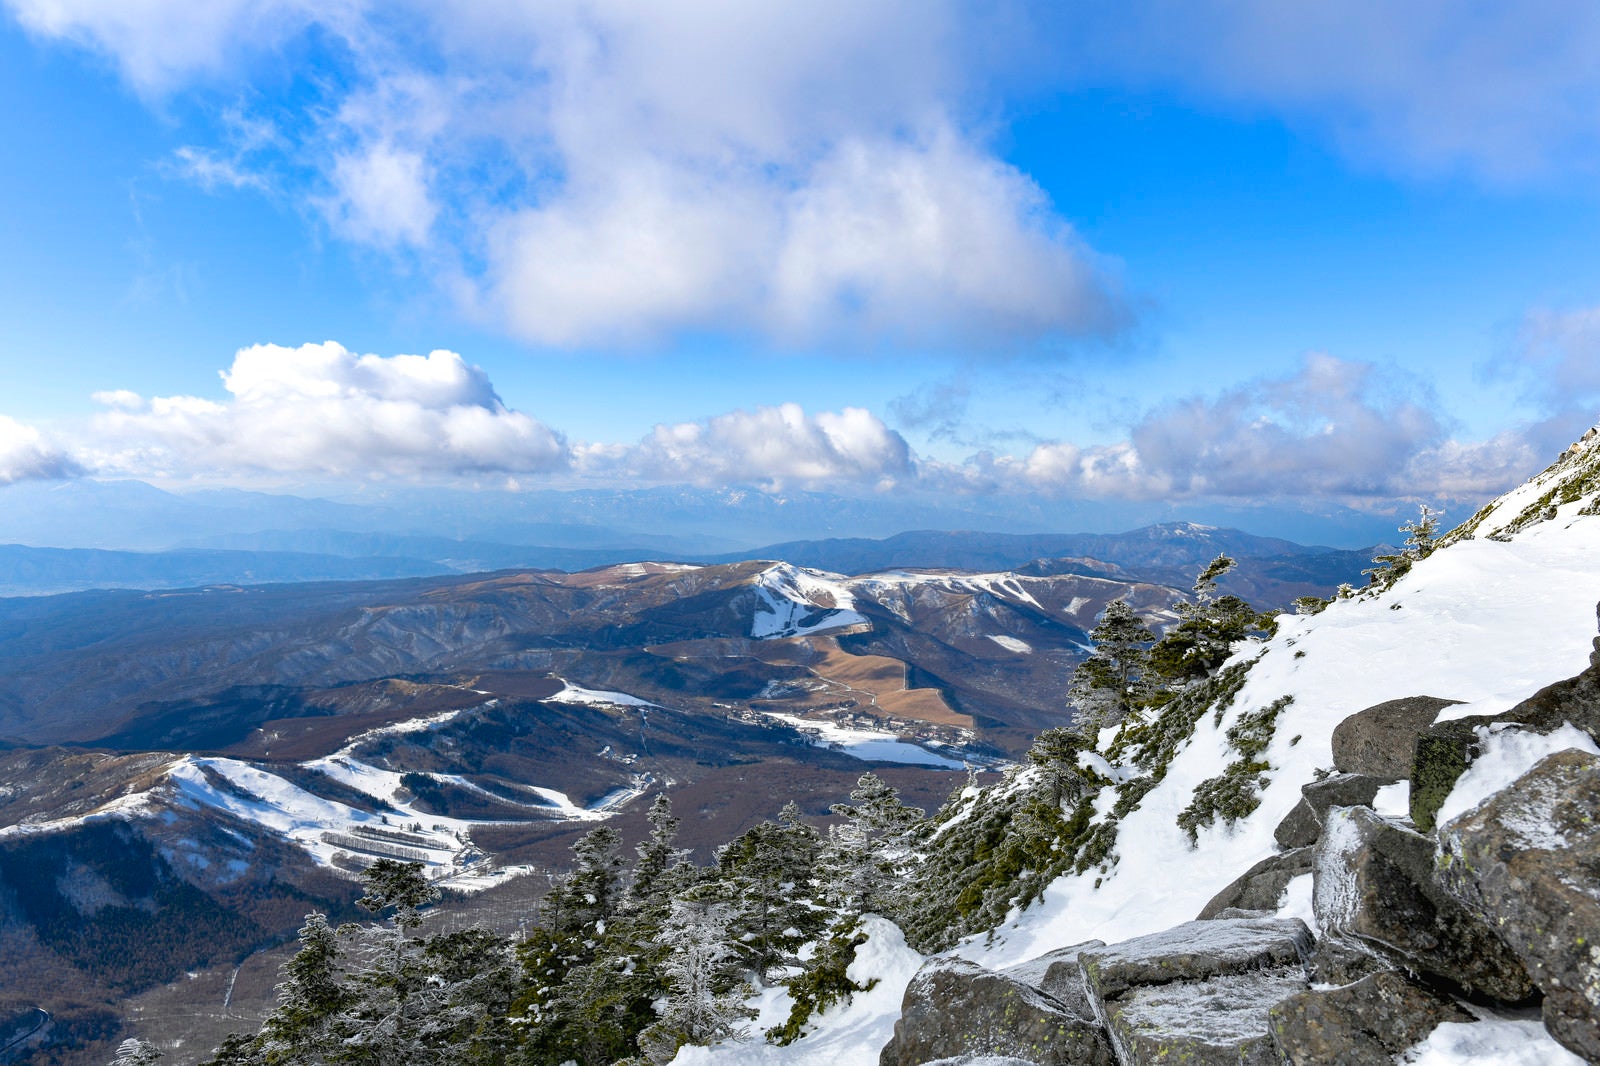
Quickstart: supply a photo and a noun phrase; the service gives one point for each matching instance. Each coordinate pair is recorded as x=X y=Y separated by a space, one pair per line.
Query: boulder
x=1261 y=887
x=1444 y=751
x=983 y=1060
x=1198 y=993
x=1381 y=740
x=1367 y=1023
x=1375 y=883
x=1528 y=861
x=1303 y=825
x=954 y=1008
x=1057 y=975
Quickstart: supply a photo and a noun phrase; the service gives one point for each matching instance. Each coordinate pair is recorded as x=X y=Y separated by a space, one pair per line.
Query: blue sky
x=1185 y=252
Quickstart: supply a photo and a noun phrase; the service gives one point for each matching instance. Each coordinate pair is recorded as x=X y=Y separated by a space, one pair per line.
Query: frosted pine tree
x=769 y=869
x=704 y=999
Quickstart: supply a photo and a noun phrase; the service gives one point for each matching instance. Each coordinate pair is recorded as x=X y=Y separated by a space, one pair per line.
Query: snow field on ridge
x=1485 y=622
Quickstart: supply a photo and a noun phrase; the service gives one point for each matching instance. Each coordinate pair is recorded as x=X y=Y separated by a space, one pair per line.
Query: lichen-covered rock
x=955 y=1008
x=1444 y=751
x=1366 y=1023
x=1381 y=740
x=1199 y=992
x=983 y=1060
x=1057 y=974
x=1375 y=882
x=1261 y=887
x=1528 y=861
x=1303 y=825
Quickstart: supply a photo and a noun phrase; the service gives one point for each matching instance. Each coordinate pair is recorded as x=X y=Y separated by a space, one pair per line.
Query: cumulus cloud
x=322 y=410
x=587 y=171
x=26 y=455
x=1336 y=428
x=772 y=446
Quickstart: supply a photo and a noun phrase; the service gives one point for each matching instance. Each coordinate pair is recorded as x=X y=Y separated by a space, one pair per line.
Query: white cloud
x=1334 y=429
x=322 y=410
x=587 y=171
x=26 y=455
x=773 y=446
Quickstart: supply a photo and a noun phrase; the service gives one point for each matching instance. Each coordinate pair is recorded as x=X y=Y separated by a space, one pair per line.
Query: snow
x=1507 y=754
x=596 y=697
x=1491 y=1041
x=1021 y=647
x=1487 y=622
x=796 y=601
x=1393 y=801
x=851 y=1034
x=868 y=744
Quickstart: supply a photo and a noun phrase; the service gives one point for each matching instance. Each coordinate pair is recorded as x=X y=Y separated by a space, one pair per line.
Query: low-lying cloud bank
x=1334 y=429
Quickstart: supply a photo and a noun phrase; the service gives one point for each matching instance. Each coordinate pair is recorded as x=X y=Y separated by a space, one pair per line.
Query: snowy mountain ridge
x=1506 y=606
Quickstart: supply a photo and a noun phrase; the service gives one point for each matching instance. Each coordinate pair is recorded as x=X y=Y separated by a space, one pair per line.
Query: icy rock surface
x=1375 y=883
x=1199 y=992
x=1057 y=974
x=1528 y=861
x=1303 y=825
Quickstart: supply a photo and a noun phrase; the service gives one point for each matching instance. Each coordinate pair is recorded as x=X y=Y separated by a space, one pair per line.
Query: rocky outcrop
x=1261 y=887
x=1367 y=1023
x=1444 y=751
x=1375 y=883
x=1303 y=825
x=1528 y=862
x=955 y=1008
x=1380 y=741
x=1199 y=992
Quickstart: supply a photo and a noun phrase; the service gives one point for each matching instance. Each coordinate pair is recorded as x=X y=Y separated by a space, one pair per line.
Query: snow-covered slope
x=1505 y=607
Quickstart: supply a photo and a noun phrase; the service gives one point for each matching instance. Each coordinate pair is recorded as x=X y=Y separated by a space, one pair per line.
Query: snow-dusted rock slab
x=1195 y=951
x=954 y=1008
x=1199 y=992
x=1379 y=741
x=1528 y=861
x=1218 y=1021
x=1375 y=882
x=1366 y=1023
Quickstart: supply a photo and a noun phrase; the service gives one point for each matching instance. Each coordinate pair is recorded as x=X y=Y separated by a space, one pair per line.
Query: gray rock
x=1366 y=1023
x=1199 y=992
x=1261 y=887
x=1444 y=751
x=1381 y=740
x=983 y=1060
x=1300 y=827
x=1375 y=882
x=1057 y=974
x=954 y=1008
x=1528 y=861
